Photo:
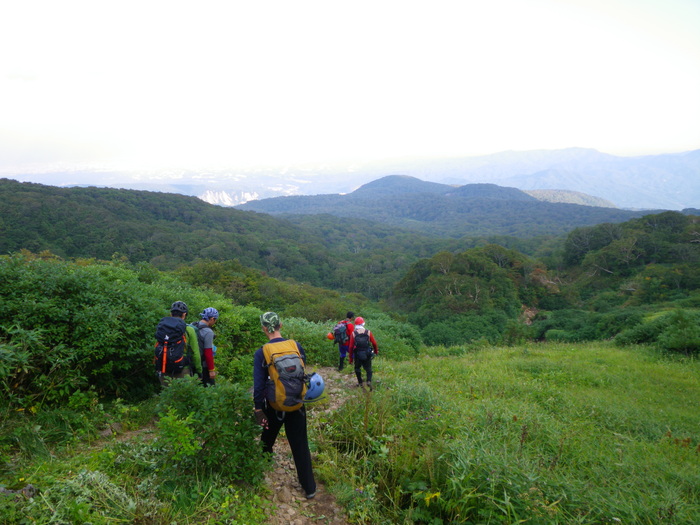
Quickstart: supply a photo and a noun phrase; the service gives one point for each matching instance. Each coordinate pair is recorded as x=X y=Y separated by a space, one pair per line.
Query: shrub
x=681 y=333
x=675 y=331
x=465 y=329
x=65 y=327
x=220 y=420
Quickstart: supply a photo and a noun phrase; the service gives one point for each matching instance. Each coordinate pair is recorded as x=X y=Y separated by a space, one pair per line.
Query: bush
x=567 y=325
x=209 y=430
x=675 y=331
x=465 y=329
x=66 y=327
x=681 y=333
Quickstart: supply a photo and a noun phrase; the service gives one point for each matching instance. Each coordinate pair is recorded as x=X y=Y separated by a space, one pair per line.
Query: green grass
x=535 y=434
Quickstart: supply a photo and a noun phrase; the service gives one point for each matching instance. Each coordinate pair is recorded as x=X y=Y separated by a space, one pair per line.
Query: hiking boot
x=341 y=364
x=369 y=385
x=311 y=495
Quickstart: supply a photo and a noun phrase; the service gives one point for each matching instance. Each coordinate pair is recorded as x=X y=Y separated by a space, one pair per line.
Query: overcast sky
x=149 y=84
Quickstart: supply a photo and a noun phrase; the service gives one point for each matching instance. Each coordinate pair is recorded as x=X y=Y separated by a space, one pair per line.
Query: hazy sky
x=149 y=84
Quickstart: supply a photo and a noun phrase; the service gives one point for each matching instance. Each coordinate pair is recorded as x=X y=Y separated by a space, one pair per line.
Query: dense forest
x=592 y=283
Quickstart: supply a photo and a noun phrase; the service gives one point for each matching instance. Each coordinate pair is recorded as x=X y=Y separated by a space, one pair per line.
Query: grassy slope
x=560 y=433
x=540 y=433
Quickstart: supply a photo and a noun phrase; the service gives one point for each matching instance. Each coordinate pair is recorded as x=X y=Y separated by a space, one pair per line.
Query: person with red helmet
x=362 y=347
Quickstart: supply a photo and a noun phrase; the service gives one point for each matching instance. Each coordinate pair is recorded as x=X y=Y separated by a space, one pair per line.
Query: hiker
x=191 y=360
x=206 y=344
x=292 y=416
x=362 y=347
x=341 y=336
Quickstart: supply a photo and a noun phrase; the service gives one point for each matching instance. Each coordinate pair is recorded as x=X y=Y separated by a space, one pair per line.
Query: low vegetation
x=543 y=433
x=510 y=389
x=538 y=433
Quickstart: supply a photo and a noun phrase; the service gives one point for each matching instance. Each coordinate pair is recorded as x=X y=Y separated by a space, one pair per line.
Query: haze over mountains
x=668 y=181
x=445 y=210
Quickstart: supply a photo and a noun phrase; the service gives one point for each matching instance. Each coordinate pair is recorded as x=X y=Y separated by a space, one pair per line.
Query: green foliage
x=459 y=298
x=251 y=287
x=396 y=339
x=674 y=331
x=582 y=325
x=66 y=327
x=463 y=329
x=619 y=248
x=119 y=483
x=177 y=438
x=210 y=430
x=540 y=434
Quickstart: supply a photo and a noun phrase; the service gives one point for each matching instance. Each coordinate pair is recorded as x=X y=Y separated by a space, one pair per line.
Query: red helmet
x=359 y=320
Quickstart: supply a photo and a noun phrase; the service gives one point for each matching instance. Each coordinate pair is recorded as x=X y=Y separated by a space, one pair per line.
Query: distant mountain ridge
x=571 y=197
x=446 y=210
x=668 y=181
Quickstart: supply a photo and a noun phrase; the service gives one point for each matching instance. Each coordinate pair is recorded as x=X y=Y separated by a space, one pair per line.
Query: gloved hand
x=261 y=418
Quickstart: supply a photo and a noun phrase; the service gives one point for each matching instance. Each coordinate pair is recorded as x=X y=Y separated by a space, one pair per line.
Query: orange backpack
x=286 y=387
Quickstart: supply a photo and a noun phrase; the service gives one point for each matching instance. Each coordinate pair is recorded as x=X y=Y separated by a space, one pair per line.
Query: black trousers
x=295 y=428
x=367 y=365
x=207 y=380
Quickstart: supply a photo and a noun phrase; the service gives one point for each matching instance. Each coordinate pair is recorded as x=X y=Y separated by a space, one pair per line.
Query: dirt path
x=290 y=506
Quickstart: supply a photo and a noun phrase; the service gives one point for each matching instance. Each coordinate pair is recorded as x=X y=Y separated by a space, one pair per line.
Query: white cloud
x=241 y=83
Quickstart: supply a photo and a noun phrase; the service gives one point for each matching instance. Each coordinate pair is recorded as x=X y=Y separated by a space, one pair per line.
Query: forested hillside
x=87 y=434
x=167 y=230
x=454 y=290
x=438 y=209
x=613 y=280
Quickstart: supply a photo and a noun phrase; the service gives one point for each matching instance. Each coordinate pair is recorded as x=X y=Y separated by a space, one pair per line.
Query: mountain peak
x=399 y=184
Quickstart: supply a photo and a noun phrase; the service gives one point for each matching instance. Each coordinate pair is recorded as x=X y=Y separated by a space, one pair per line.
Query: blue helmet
x=315 y=387
x=209 y=313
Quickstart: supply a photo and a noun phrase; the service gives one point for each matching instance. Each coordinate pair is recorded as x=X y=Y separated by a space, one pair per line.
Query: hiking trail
x=289 y=504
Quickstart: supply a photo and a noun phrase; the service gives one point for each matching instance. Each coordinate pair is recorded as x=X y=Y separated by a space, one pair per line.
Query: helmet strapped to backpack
x=315 y=387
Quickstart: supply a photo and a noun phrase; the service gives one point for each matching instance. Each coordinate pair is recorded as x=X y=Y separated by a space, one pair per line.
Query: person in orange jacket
x=362 y=347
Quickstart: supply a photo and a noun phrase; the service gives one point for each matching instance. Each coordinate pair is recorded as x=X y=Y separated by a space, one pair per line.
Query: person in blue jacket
x=272 y=420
